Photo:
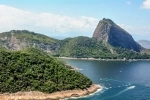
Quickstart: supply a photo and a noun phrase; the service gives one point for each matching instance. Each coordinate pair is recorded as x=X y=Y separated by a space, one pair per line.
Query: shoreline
x=106 y=59
x=36 y=95
x=85 y=96
x=72 y=67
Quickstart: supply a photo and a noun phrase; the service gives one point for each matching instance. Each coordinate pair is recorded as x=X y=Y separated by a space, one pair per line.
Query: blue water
x=121 y=80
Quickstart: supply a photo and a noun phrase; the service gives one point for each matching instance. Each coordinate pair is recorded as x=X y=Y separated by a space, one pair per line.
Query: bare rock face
x=110 y=33
x=21 y=39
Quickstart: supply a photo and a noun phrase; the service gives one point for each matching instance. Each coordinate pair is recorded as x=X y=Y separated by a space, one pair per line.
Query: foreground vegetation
x=32 y=69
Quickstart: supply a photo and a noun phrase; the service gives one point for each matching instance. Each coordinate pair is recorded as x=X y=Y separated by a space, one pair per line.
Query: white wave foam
x=127 y=89
x=131 y=87
x=100 y=89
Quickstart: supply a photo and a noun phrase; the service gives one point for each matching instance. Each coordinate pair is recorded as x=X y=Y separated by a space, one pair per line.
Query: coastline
x=106 y=59
x=72 y=67
x=36 y=95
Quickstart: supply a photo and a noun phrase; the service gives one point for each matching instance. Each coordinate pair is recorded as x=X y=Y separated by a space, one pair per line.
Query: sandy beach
x=36 y=95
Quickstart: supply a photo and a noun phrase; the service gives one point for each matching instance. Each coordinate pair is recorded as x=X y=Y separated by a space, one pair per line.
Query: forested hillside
x=83 y=47
x=34 y=70
x=78 y=47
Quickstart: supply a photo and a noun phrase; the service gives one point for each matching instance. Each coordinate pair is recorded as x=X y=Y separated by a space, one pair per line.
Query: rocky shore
x=36 y=95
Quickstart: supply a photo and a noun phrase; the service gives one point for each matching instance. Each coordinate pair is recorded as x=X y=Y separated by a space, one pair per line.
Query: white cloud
x=137 y=30
x=146 y=4
x=55 y=25
x=13 y=18
x=128 y=2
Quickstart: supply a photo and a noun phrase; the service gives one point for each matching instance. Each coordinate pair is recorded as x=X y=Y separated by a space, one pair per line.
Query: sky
x=70 y=18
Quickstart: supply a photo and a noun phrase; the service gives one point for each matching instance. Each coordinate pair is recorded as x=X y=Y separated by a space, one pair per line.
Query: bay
x=121 y=80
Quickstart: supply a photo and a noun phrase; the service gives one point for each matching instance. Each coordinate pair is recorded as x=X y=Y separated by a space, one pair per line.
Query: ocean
x=120 y=80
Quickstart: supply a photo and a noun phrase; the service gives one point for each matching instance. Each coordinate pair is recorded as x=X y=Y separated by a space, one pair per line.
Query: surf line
x=107 y=79
x=127 y=89
x=116 y=87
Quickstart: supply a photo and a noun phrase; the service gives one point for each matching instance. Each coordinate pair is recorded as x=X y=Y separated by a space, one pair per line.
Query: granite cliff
x=111 y=34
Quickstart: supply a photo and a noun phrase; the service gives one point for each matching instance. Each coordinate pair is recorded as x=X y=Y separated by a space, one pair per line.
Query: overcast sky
x=69 y=18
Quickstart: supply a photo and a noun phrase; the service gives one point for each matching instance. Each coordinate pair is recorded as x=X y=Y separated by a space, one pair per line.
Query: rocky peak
x=110 y=33
x=107 y=21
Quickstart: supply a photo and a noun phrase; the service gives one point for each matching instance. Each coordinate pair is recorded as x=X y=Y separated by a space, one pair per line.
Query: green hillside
x=29 y=36
x=21 y=39
x=34 y=37
x=129 y=54
x=34 y=70
x=83 y=47
x=78 y=47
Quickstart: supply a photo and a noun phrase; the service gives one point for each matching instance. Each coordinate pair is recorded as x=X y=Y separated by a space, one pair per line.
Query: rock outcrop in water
x=110 y=33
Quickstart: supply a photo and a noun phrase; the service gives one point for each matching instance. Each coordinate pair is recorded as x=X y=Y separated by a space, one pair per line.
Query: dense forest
x=82 y=47
x=129 y=54
x=32 y=69
x=85 y=47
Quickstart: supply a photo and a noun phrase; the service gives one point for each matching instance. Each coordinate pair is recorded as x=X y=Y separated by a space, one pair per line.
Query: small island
x=34 y=74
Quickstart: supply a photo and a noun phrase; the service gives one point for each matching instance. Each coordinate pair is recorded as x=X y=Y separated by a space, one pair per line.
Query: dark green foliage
x=129 y=54
x=83 y=47
x=32 y=69
x=79 y=47
x=35 y=51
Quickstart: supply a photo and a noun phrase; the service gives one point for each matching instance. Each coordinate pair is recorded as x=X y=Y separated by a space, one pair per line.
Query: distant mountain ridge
x=110 y=33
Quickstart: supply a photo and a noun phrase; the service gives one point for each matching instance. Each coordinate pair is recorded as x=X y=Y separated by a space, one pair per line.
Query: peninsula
x=34 y=74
